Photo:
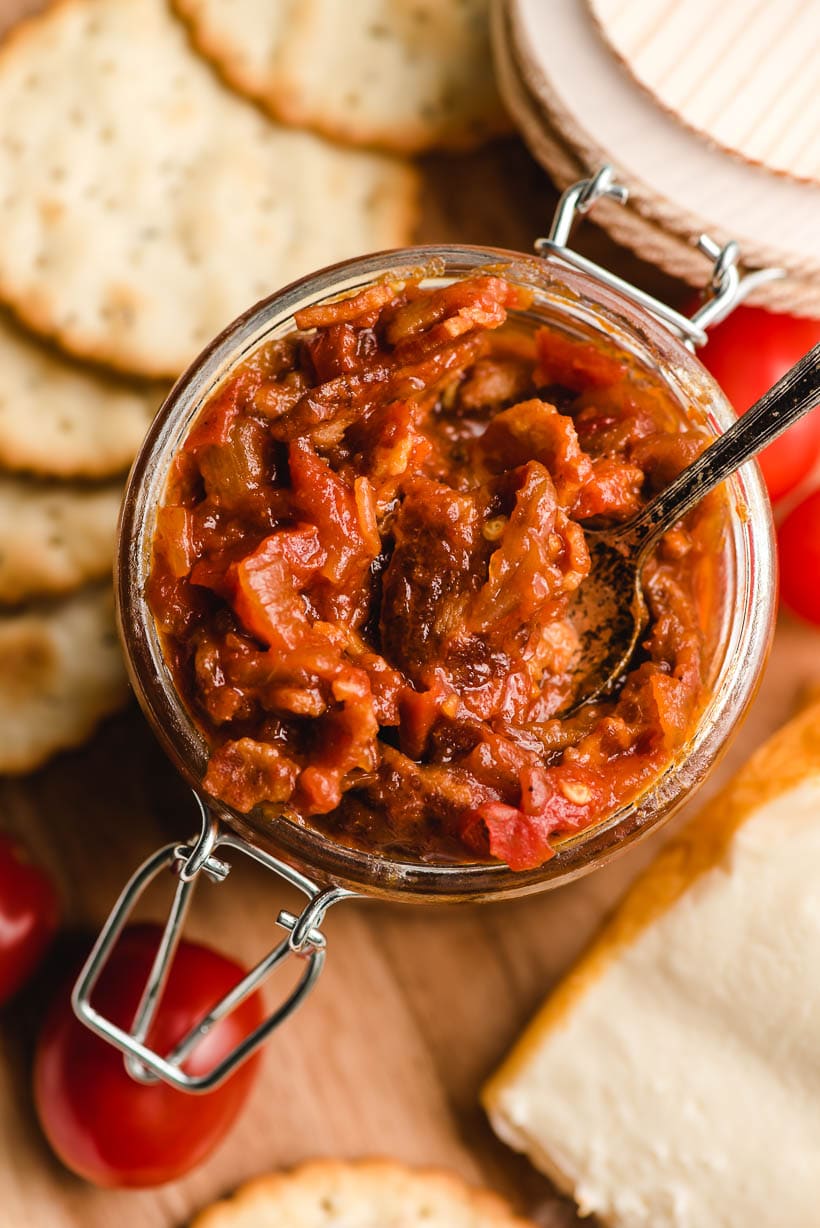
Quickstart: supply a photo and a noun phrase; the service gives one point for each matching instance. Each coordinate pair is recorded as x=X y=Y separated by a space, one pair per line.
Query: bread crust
x=786 y=759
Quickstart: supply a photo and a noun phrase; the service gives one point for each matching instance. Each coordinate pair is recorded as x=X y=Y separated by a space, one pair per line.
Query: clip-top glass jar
x=569 y=295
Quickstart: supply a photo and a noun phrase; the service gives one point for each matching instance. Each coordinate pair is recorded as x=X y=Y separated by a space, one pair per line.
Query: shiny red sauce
x=364 y=568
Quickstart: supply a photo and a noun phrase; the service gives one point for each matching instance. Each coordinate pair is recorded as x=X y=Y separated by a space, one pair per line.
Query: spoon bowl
x=609 y=613
x=609 y=609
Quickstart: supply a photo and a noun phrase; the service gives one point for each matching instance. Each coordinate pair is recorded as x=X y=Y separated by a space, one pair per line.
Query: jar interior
x=737 y=632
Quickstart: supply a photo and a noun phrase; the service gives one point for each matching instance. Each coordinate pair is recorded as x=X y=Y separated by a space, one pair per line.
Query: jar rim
x=628 y=326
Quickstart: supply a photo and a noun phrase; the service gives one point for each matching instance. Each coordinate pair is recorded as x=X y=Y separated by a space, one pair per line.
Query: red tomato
x=28 y=916
x=748 y=353
x=103 y=1124
x=799 y=542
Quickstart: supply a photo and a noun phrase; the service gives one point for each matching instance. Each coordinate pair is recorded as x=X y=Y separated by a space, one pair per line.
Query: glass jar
x=567 y=298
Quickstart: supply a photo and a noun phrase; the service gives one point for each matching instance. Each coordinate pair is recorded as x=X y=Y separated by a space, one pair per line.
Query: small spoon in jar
x=610 y=609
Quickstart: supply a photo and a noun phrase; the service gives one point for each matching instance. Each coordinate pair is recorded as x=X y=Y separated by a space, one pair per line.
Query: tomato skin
x=799 y=543
x=104 y=1125
x=29 y=914
x=747 y=353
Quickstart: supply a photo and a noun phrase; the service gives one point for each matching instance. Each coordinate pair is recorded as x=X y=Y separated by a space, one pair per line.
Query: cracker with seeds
x=364 y=1194
x=143 y=205
x=61 y=672
x=405 y=75
x=54 y=537
x=60 y=419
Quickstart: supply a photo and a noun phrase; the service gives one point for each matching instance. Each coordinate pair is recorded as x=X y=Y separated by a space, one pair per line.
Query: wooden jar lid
x=577 y=108
x=742 y=75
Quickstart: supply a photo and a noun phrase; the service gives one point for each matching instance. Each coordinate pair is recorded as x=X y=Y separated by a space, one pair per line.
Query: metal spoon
x=610 y=609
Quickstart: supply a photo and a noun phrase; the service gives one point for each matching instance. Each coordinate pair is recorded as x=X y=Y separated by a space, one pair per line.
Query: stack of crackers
x=162 y=167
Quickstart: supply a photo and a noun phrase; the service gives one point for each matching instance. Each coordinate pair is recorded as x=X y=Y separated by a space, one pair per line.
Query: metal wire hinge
x=726 y=287
x=304 y=940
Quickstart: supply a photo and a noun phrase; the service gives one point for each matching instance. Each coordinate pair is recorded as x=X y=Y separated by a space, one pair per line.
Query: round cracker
x=404 y=75
x=54 y=537
x=367 y=1194
x=143 y=205
x=61 y=672
x=60 y=419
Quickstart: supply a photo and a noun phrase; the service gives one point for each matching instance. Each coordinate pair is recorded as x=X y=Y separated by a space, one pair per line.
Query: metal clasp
x=304 y=941
x=726 y=288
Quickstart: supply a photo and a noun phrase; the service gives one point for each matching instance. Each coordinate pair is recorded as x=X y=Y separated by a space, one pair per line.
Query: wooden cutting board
x=416 y=1005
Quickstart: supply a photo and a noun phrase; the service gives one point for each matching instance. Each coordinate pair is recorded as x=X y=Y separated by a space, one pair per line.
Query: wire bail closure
x=726 y=288
x=304 y=940
x=202 y=856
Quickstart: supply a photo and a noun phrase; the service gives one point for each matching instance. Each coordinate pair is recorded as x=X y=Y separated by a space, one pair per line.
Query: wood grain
x=580 y=95
x=743 y=75
x=416 y=1005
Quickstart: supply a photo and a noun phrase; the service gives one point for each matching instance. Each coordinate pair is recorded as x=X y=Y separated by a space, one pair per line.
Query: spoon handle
x=791 y=397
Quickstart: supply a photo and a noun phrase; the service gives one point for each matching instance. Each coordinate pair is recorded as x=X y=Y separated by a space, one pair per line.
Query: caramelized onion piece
x=364 y=569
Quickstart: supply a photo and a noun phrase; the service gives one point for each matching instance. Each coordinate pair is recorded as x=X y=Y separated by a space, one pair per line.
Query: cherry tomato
x=747 y=353
x=799 y=542
x=106 y=1126
x=28 y=916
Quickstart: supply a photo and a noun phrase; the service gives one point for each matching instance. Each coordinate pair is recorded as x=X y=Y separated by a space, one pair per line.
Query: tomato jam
x=364 y=567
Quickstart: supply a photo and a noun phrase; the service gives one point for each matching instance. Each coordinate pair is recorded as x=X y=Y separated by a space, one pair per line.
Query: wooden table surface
x=416 y=1005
